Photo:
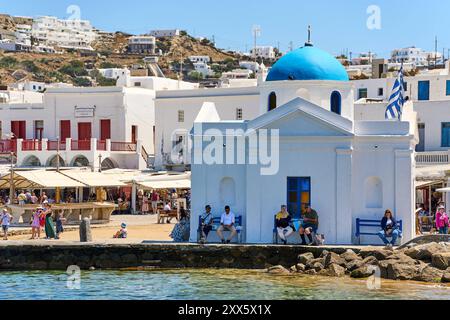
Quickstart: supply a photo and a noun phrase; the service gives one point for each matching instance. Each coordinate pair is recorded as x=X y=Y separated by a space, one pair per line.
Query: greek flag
x=397 y=99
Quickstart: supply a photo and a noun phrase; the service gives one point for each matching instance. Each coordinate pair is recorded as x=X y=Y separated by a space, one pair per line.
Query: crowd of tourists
x=433 y=223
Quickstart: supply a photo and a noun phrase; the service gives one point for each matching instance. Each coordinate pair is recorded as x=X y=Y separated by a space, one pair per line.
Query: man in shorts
x=309 y=226
x=227 y=222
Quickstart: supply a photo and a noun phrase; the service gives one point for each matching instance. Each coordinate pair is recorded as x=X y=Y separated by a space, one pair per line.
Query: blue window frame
x=424 y=90
x=336 y=102
x=446 y=135
x=298 y=195
x=447 y=88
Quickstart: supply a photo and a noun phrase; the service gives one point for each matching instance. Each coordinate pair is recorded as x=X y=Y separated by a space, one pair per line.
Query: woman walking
x=49 y=226
x=442 y=221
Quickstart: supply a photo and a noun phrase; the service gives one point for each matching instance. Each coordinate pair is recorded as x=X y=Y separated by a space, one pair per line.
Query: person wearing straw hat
x=442 y=221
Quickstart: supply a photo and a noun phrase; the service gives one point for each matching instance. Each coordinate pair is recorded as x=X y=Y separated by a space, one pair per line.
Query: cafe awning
x=94 y=179
x=38 y=179
x=168 y=184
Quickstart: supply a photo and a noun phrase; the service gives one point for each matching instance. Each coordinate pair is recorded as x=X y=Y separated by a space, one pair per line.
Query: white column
x=405 y=193
x=44 y=144
x=68 y=144
x=108 y=145
x=344 y=215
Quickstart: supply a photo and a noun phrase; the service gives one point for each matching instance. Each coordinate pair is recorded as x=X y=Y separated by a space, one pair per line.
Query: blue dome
x=308 y=63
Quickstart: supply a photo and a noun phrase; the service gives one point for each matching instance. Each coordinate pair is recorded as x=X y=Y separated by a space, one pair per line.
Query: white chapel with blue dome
x=323 y=158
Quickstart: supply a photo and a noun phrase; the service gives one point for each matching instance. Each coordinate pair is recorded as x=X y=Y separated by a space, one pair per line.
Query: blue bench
x=370 y=224
x=276 y=237
x=216 y=225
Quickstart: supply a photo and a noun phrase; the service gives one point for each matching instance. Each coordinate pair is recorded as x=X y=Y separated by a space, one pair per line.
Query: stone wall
x=60 y=256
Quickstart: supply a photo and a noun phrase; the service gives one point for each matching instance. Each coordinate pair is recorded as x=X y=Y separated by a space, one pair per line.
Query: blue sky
x=337 y=25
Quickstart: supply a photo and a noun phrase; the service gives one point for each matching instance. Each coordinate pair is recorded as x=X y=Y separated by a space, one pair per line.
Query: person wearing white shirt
x=227 y=223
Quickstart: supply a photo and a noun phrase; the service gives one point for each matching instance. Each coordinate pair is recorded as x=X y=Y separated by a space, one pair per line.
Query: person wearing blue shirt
x=389 y=229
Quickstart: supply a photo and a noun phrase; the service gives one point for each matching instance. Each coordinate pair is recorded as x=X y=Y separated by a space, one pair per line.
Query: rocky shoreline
x=428 y=262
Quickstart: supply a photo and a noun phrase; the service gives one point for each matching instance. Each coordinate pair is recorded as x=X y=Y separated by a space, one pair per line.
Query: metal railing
x=53 y=145
x=123 y=146
x=81 y=145
x=101 y=145
x=31 y=145
x=8 y=146
x=433 y=158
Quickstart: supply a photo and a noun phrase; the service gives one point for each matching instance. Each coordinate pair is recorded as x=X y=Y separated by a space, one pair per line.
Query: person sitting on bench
x=309 y=226
x=207 y=223
x=227 y=222
x=284 y=228
x=389 y=229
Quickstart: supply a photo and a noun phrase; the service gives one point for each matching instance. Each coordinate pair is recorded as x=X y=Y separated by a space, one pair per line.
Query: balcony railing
x=53 y=145
x=32 y=145
x=8 y=146
x=433 y=158
x=123 y=146
x=101 y=145
x=81 y=145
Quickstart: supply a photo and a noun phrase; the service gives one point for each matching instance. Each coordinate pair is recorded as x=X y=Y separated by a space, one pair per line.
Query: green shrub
x=74 y=69
x=8 y=62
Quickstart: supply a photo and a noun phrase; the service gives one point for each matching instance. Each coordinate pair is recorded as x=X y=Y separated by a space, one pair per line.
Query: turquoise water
x=203 y=285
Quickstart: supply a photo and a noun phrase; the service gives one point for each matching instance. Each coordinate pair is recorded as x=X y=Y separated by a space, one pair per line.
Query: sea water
x=210 y=284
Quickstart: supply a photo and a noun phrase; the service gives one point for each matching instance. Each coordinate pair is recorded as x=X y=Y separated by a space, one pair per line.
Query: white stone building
x=69 y=34
x=168 y=33
x=416 y=56
x=142 y=45
x=345 y=169
x=265 y=52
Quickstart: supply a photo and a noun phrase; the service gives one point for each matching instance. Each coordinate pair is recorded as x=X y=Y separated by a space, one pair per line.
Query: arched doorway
x=109 y=164
x=80 y=161
x=31 y=161
x=53 y=162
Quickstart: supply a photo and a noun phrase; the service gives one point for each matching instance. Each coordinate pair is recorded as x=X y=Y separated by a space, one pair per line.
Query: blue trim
x=424 y=90
x=445 y=134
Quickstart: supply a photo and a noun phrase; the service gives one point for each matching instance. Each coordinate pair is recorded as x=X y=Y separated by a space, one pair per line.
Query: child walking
x=59 y=225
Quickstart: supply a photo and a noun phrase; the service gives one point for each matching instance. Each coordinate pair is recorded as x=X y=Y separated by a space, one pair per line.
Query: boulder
x=300 y=267
x=426 y=251
x=333 y=258
x=335 y=270
x=361 y=273
x=441 y=260
x=350 y=255
x=429 y=274
x=305 y=258
x=379 y=254
x=293 y=269
x=324 y=254
x=396 y=271
x=370 y=260
x=311 y=272
x=311 y=263
x=402 y=258
x=278 y=270
x=318 y=266
x=446 y=276
x=353 y=265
